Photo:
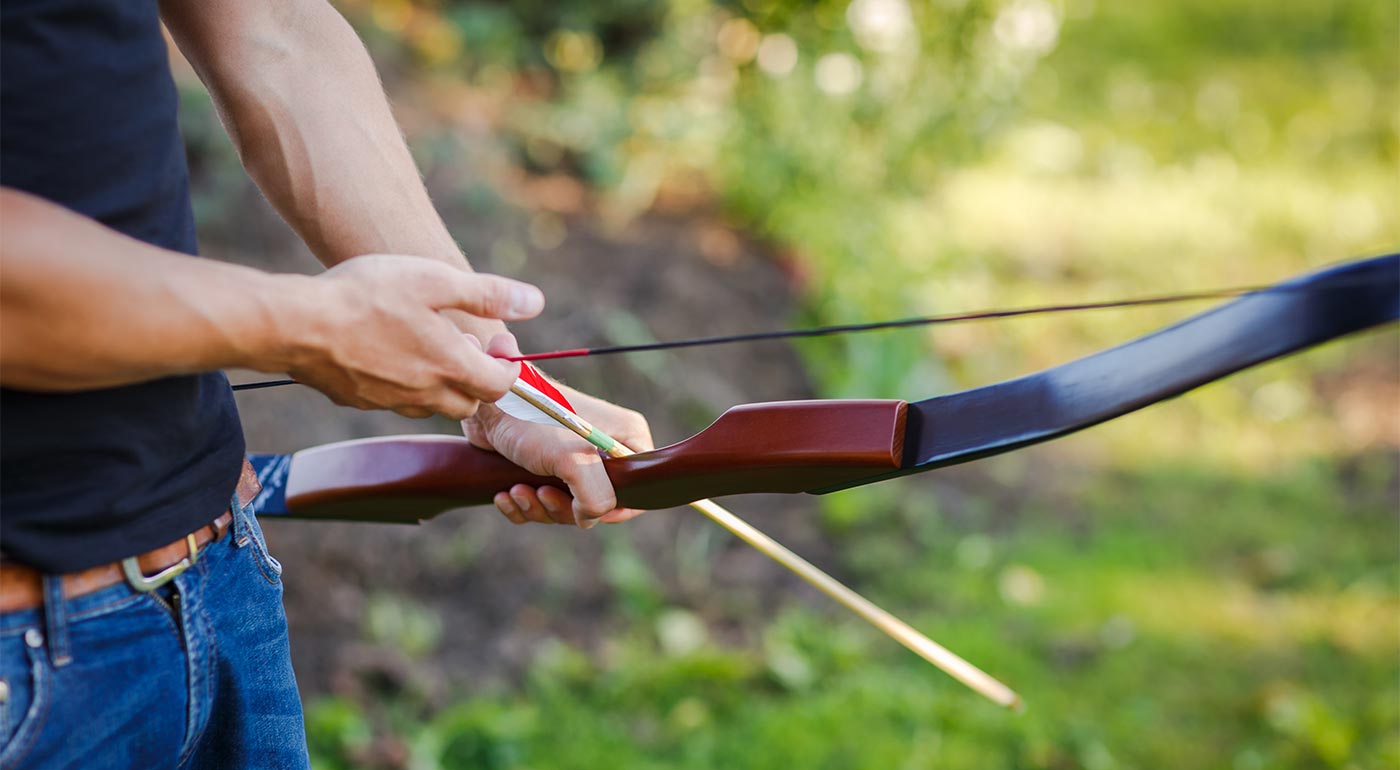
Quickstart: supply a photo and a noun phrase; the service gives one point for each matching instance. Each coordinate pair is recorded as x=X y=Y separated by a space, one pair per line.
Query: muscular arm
x=299 y=95
x=305 y=109
x=82 y=306
x=300 y=98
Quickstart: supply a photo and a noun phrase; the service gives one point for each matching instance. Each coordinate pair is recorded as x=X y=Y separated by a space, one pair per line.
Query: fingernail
x=547 y=506
x=525 y=300
x=508 y=509
x=523 y=504
x=585 y=523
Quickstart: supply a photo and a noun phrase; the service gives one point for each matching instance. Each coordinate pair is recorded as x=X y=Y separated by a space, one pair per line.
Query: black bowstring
x=823 y=331
x=265 y=384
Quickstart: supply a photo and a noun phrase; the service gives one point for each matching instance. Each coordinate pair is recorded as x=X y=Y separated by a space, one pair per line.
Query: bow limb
x=1259 y=327
x=821 y=446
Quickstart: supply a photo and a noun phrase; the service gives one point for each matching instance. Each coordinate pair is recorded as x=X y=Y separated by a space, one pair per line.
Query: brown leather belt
x=22 y=586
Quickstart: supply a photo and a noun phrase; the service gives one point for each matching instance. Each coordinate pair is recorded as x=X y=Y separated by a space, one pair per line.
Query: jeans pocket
x=24 y=697
x=267 y=563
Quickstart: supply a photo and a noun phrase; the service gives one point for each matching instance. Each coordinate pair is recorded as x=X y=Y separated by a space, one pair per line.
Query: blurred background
x=1211 y=583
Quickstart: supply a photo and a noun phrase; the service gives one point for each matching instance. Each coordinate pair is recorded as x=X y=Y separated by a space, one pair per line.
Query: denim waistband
x=242 y=531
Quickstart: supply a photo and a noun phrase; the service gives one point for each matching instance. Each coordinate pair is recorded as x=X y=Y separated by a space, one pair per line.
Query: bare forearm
x=299 y=95
x=82 y=306
x=300 y=98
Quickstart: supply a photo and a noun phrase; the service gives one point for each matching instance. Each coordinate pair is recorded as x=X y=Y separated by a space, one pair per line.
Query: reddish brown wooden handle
x=788 y=446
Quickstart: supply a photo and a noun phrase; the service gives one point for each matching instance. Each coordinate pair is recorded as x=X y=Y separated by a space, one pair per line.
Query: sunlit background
x=1210 y=583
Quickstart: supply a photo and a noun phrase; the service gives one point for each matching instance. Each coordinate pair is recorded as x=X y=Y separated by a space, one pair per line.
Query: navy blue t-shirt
x=88 y=120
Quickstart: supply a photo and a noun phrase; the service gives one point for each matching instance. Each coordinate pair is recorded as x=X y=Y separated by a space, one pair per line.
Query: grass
x=1254 y=633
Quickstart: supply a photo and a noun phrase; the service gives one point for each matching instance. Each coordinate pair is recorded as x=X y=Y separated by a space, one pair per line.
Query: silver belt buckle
x=144 y=583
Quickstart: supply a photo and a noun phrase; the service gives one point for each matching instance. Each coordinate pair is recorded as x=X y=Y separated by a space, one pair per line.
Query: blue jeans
x=197 y=674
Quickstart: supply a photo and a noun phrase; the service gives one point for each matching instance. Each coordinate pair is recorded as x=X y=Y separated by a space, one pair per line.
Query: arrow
x=555 y=410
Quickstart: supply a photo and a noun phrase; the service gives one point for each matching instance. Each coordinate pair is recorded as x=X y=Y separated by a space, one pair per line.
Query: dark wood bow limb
x=821 y=446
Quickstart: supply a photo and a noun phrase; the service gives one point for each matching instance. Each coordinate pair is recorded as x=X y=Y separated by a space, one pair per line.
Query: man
x=120 y=446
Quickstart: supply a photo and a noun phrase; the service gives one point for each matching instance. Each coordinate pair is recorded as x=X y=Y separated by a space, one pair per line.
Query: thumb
x=485 y=296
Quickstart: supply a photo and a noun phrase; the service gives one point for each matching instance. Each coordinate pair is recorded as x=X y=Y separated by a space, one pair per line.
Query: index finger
x=478 y=374
x=592 y=489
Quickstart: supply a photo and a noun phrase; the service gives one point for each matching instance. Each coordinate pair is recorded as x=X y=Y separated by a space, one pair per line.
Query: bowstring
x=901 y=323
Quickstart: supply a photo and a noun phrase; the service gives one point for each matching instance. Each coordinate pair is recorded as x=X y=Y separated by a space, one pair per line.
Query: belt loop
x=56 y=619
x=242 y=533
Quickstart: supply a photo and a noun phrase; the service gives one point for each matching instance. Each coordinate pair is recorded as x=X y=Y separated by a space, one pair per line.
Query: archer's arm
x=300 y=98
x=83 y=307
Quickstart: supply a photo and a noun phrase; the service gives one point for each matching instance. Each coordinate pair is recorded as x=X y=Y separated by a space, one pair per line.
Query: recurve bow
x=821 y=446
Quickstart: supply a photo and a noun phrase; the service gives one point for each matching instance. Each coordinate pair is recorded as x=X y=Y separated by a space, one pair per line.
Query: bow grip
x=787 y=446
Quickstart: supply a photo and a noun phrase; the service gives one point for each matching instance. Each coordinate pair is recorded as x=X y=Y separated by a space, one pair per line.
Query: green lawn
x=1175 y=617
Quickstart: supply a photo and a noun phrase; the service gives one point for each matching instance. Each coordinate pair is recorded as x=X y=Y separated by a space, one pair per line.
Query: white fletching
x=520 y=409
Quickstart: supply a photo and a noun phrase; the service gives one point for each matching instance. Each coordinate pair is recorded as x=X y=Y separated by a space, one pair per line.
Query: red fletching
x=534 y=379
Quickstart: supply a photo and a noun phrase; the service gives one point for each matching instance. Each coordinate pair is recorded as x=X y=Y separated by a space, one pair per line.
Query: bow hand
x=547 y=450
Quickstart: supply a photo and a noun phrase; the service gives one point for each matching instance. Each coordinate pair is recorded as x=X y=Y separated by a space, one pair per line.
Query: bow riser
x=791 y=446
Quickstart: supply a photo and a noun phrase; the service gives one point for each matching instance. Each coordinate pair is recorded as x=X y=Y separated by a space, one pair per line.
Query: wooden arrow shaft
x=931 y=651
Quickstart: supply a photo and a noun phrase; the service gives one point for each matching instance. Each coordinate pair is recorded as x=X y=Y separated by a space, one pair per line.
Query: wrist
x=286 y=323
